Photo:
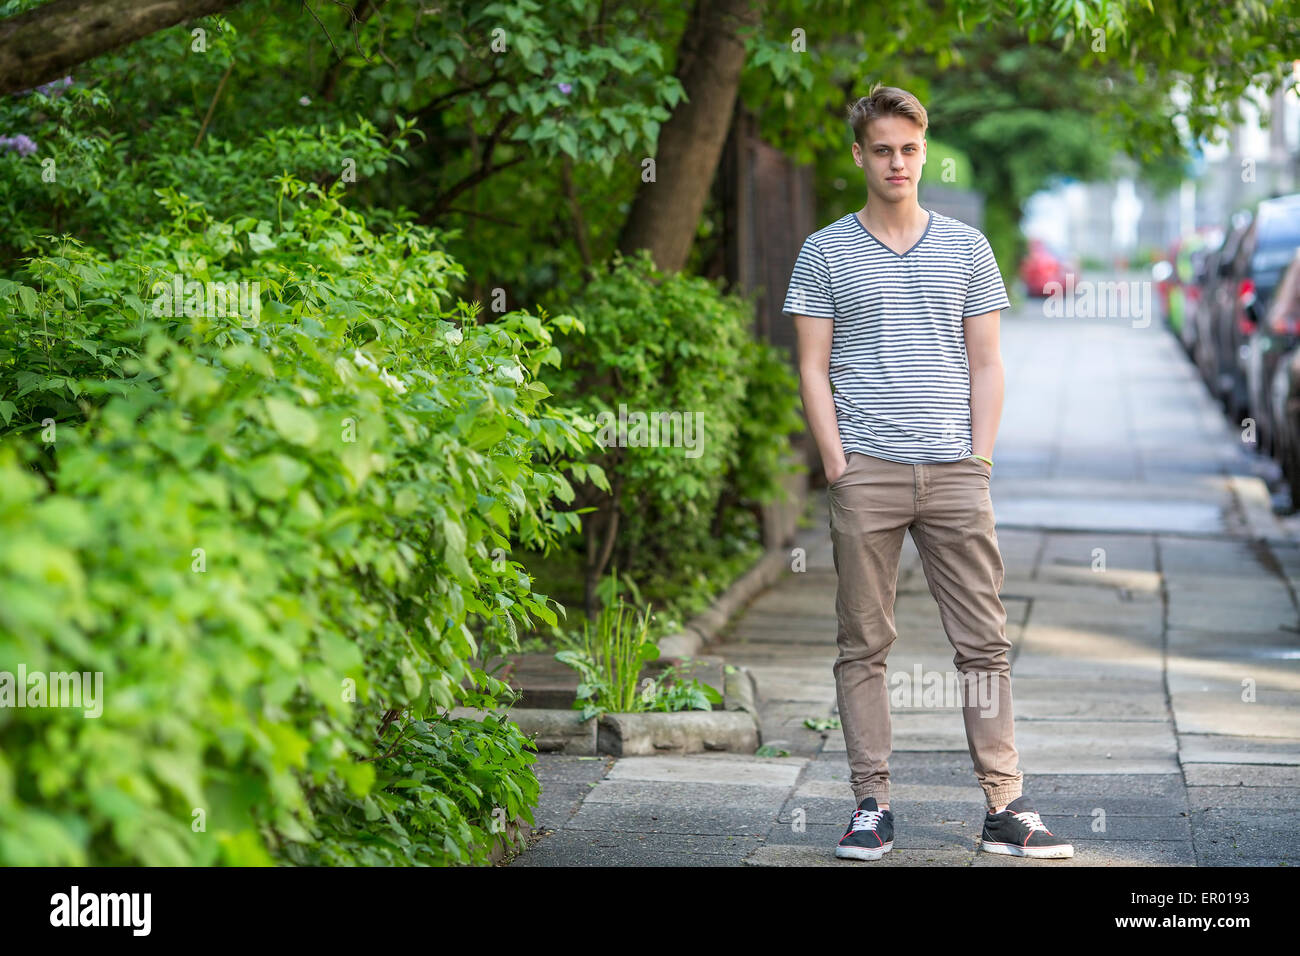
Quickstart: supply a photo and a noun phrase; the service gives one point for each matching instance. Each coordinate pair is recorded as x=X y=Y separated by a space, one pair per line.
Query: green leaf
x=411 y=682
x=272 y=475
x=294 y=424
x=28 y=297
x=260 y=243
x=453 y=551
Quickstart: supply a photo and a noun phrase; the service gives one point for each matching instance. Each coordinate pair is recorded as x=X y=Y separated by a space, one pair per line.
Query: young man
x=902 y=388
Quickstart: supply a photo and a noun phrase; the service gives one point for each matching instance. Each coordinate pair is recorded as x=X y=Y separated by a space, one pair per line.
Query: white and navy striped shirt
x=898 y=365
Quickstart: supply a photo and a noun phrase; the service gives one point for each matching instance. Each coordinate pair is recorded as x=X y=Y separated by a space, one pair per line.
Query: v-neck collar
x=929 y=222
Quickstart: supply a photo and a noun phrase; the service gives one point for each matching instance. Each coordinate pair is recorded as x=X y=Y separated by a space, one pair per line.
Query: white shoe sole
x=1062 y=852
x=862 y=852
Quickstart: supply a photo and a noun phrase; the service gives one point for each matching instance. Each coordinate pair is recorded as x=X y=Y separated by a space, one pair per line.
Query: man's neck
x=893 y=218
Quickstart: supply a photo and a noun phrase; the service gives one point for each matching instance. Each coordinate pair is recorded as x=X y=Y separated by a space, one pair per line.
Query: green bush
x=281 y=542
x=655 y=343
x=100 y=184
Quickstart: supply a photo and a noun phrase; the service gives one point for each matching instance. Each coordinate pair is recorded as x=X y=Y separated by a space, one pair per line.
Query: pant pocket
x=848 y=465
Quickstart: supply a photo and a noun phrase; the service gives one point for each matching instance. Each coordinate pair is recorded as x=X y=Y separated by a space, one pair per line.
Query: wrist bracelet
x=982 y=458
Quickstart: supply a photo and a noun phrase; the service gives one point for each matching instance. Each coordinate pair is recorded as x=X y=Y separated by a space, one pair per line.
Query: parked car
x=1043 y=264
x=1267 y=250
x=1176 y=280
x=1284 y=392
x=1216 y=311
x=1198 y=267
x=1202 y=263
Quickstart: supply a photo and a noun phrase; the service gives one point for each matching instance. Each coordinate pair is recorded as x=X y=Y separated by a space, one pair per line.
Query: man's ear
x=857 y=153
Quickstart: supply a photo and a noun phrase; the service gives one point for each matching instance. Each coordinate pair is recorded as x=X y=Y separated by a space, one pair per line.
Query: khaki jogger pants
x=947 y=508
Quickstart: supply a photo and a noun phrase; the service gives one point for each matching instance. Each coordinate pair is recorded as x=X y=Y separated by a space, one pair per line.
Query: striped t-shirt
x=898 y=365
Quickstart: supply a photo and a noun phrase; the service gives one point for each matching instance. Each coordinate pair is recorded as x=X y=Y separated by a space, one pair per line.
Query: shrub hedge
x=281 y=543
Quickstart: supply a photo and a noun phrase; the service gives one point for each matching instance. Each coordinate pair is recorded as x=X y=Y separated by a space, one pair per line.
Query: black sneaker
x=870 y=834
x=1019 y=831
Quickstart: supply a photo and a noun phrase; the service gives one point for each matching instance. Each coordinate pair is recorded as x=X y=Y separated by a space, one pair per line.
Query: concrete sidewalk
x=1157 y=700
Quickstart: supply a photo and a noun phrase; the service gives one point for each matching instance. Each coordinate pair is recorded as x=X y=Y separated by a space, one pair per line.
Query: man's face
x=892 y=158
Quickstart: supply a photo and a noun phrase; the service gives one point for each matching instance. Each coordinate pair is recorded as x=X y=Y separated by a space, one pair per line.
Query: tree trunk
x=710 y=58
x=44 y=43
x=602 y=534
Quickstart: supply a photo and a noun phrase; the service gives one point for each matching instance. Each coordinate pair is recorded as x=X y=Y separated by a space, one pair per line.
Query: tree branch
x=44 y=44
x=362 y=12
x=575 y=211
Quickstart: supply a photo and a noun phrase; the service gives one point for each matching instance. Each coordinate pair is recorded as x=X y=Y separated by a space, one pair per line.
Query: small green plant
x=671 y=692
x=822 y=723
x=767 y=750
x=610 y=657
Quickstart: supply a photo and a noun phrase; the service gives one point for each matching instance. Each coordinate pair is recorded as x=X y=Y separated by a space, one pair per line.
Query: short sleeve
x=986 y=291
x=810 y=284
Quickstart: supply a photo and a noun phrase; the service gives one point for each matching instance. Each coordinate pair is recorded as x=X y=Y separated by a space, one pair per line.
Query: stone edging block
x=682 y=732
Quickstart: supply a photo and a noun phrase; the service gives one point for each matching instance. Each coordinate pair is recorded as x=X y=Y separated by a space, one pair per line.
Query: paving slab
x=1202 y=706
x=968 y=813
x=1074 y=637
x=1261 y=675
x=776 y=683
x=1119 y=828
x=1136 y=666
x=753 y=799
x=1241 y=775
x=1087 y=746
x=822 y=837
x=1265 y=800
x=1222 y=748
x=668 y=818
x=1219 y=616
x=708 y=769
x=1231 y=835
x=1066 y=509
x=573 y=849
x=1119 y=853
x=609 y=847
x=918 y=766
x=565 y=781
x=794 y=855
x=1040 y=698
x=1120 y=555
x=1277 y=649
x=900 y=792
x=1135 y=786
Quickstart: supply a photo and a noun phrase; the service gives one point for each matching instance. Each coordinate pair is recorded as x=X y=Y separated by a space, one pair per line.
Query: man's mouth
x=896 y=179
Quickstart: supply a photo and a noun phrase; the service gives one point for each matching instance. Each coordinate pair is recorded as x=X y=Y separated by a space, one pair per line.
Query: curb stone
x=512 y=840
x=1250 y=495
x=703 y=629
x=683 y=732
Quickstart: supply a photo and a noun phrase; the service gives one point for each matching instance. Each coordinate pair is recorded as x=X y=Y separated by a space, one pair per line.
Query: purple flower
x=564 y=88
x=22 y=144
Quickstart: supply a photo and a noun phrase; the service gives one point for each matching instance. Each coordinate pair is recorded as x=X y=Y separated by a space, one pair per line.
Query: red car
x=1042 y=265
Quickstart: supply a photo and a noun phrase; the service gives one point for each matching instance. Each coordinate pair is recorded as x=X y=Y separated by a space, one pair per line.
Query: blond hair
x=885 y=101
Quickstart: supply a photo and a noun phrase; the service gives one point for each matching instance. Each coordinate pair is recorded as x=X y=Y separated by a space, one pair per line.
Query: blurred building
x=1118 y=221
